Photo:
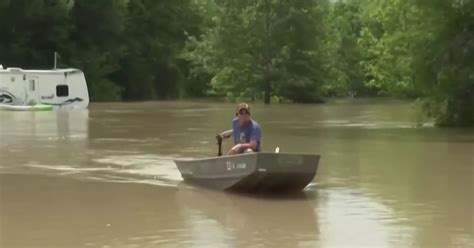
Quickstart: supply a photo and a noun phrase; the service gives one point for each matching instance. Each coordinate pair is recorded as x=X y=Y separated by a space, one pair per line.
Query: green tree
x=445 y=64
x=24 y=39
x=343 y=70
x=155 y=35
x=268 y=46
x=393 y=31
x=96 y=45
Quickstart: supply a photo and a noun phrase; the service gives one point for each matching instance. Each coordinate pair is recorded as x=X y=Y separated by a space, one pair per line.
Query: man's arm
x=226 y=134
x=255 y=136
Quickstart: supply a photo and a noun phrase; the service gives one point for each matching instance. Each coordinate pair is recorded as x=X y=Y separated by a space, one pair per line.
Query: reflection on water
x=350 y=214
x=105 y=177
x=43 y=138
x=248 y=221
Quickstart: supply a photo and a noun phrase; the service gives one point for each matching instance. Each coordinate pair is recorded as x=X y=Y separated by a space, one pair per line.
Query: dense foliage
x=268 y=50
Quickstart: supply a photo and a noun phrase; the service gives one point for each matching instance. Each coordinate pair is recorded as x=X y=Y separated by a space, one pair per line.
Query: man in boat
x=245 y=130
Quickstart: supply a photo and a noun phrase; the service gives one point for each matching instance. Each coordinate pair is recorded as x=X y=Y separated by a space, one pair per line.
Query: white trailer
x=62 y=88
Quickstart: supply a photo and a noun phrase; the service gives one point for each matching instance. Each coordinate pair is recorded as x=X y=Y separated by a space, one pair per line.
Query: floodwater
x=105 y=177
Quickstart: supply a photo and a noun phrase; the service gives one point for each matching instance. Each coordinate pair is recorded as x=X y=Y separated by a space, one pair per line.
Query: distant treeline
x=268 y=50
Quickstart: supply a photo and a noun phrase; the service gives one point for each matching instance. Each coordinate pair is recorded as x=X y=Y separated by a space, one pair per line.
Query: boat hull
x=252 y=172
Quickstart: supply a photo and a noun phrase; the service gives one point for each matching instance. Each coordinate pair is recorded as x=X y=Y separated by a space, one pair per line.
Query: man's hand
x=235 y=149
x=225 y=134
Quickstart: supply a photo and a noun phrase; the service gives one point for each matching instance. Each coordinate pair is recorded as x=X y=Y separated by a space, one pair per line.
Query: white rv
x=62 y=88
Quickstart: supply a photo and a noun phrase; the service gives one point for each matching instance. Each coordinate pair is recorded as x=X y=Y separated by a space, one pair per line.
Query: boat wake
x=123 y=168
x=145 y=167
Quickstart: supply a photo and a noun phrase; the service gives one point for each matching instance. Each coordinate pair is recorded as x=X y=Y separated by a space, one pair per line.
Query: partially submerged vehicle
x=61 y=88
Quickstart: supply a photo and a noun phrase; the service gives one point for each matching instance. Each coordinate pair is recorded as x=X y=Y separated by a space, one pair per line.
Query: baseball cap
x=242 y=106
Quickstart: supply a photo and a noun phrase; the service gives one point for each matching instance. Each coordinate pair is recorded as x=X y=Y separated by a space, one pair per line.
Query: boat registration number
x=235 y=166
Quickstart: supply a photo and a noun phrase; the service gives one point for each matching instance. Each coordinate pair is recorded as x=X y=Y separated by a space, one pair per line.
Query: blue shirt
x=247 y=133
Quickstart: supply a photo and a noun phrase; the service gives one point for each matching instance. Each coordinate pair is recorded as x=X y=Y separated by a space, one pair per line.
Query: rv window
x=32 y=85
x=62 y=90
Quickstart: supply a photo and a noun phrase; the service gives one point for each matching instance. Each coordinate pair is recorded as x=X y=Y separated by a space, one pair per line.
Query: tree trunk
x=267 y=77
x=267 y=94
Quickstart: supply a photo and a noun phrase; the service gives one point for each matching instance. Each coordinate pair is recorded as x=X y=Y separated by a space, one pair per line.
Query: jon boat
x=252 y=172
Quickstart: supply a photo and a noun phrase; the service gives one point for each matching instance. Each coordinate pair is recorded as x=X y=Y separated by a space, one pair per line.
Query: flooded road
x=105 y=177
